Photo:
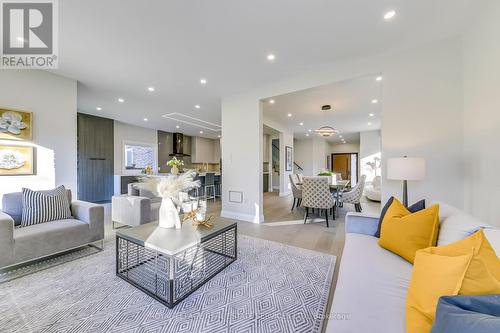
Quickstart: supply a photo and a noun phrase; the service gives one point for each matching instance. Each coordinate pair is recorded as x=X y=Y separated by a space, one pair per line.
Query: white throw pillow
x=493 y=236
x=456 y=225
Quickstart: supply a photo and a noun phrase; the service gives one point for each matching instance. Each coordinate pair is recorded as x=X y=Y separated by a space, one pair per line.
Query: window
x=138 y=157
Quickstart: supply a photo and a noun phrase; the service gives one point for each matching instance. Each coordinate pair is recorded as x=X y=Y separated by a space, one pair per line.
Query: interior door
x=341 y=163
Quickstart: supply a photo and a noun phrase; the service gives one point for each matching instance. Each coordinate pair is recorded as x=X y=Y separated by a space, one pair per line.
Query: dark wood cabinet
x=95 y=158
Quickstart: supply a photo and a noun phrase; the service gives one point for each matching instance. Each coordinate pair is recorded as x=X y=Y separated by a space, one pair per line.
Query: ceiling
x=352 y=102
x=118 y=48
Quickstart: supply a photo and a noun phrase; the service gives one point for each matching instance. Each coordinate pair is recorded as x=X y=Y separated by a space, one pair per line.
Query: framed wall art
x=15 y=125
x=17 y=160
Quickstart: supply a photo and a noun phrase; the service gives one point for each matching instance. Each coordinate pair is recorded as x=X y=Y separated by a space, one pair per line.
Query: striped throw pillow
x=44 y=206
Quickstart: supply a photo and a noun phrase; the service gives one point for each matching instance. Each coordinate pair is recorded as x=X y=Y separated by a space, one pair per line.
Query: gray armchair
x=137 y=207
x=19 y=245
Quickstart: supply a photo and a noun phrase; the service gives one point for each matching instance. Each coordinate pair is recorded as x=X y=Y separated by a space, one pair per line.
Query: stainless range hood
x=178 y=145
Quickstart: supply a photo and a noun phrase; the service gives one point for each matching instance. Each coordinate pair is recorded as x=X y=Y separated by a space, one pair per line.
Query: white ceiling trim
x=200 y=123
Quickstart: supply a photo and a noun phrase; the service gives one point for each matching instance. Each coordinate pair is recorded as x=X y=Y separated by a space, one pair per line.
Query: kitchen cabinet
x=95 y=164
x=205 y=150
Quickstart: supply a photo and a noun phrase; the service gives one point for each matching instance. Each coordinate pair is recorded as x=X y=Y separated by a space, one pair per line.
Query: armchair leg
x=306 y=215
x=293 y=203
x=326 y=217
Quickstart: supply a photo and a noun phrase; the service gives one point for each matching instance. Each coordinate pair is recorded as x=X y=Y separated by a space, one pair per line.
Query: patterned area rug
x=30 y=268
x=272 y=287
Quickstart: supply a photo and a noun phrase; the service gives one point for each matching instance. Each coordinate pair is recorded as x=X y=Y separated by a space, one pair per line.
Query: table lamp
x=405 y=169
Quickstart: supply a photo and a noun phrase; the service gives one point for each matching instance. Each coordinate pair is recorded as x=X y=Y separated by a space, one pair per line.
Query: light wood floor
x=284 y=226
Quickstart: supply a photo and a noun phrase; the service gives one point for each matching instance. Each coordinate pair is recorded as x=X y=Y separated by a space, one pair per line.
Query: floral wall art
x=15 y=125
x=16 y=160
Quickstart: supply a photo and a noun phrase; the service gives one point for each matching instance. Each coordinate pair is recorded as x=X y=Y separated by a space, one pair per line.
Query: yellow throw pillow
x=405 y=233
x=432 y=276
x=483 y=274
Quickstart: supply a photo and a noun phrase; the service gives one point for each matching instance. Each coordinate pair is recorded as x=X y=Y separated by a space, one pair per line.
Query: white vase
x=174 y=170
x=168 y=215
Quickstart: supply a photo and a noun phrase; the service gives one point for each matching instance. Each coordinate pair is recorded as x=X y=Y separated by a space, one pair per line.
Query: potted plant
x=174 y=163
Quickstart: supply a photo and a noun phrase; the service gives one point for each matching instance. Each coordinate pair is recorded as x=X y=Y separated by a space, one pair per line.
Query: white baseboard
x=242 y=216
x=284 y=194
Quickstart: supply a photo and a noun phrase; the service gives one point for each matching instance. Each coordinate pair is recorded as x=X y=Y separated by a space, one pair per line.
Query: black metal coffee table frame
x=170 y=278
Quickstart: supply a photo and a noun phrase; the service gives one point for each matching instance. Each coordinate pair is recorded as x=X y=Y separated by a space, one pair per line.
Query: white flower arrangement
x=168 y=189
x=170 y=186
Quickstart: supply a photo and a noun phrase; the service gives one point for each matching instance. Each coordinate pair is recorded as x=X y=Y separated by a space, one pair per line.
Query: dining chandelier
x=326 y=131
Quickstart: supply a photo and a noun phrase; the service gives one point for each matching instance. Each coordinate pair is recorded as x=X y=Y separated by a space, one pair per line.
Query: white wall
x=343 y=148
x=311 y=155
x=52 y=99
x=422 y=116
x=482 y=112
x=369 y=143
x=242 y=157
x=131 y=134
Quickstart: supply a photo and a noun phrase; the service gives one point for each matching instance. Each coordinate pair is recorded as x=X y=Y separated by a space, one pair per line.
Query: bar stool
x=209 y=184
x=218 y=187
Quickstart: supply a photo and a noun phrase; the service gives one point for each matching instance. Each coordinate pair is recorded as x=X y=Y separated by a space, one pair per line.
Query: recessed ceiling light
x=151 y=89
x=271 y=101
x=145 y=119
x=201 y=132
x=203 y=81
x=301 y=124
x=371 y=114
x=177 y=126
x=369 y=124
x=289 y=115
x=197 y=106
x=310 y=130
x=271 y=57
x=379 y=78
x=340 y=136
x=389 y=15
x=374 y=101
x=98 y=108
x=121 y=100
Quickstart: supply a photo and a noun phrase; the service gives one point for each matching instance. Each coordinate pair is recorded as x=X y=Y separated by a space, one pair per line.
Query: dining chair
x=296 y=191
x=354 y=195
x=316 y=195
x=300 y=177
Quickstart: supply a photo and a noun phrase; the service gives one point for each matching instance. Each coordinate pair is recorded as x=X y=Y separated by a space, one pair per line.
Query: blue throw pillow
x=413 y=209
x=468 y=314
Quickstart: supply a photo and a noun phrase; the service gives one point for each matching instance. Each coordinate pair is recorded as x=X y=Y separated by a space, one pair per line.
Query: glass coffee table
x=170 y=264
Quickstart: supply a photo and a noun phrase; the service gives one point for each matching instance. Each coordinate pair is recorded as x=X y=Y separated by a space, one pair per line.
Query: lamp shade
x=406 y=168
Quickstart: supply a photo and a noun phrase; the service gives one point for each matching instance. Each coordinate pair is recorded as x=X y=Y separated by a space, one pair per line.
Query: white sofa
x=370 y=295
x=373 y=190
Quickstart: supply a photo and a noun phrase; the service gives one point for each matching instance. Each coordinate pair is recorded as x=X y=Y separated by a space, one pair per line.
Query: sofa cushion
x=44 y=206
x=413 y=209
x=372 y=285
x=483 y=273
x=404 y=233
x=50 y=237
x=433 y=276
x=465 y=314
x=12 y=204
